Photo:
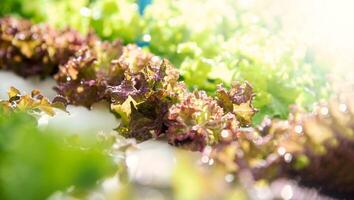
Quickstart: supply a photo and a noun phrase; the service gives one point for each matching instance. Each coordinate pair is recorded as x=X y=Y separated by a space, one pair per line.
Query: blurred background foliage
x=35 y=163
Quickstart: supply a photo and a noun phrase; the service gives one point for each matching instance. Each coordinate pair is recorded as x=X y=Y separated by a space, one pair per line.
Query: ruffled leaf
x=238 y=100
x=32 y=103
x=199 y=121
x=125 y=109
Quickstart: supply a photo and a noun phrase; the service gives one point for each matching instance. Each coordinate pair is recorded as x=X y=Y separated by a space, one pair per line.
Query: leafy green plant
x=210 y=41
x=35 y=163
x=110 y=19
x=221 y=41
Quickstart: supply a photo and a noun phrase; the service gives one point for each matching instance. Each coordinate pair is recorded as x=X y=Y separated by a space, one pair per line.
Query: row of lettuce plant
x=146 y=93
x=211 y=42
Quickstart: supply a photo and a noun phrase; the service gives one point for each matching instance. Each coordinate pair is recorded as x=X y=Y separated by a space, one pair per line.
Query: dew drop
x=288 y=157
x=298 y=129
x=207 y=150
x=229 y=178
x=287 y=192
x=225 y=133
x=281 y=151
x=205 y=159
x=211 y=161
x=343 y=107
x=324 y=111
x=80 y=89
x=146 y=38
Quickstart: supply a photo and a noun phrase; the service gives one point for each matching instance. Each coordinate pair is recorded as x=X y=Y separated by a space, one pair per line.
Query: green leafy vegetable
x=240 y=45
x=36 y=163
